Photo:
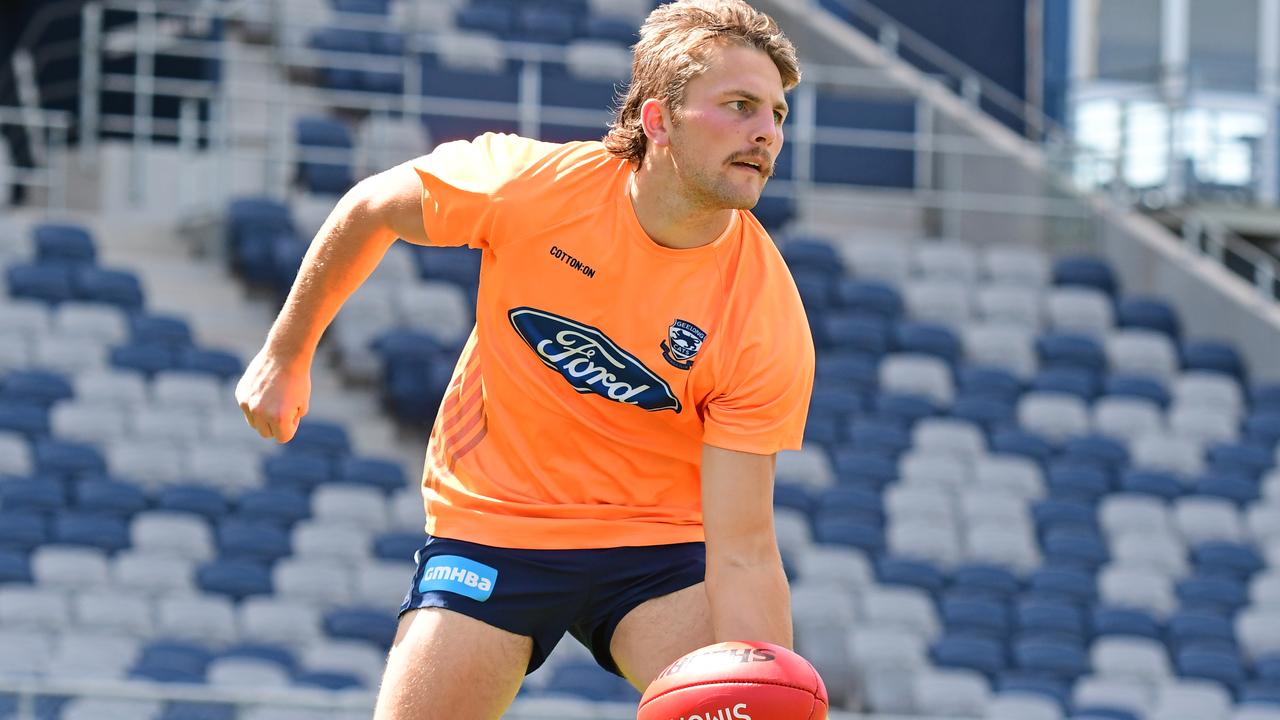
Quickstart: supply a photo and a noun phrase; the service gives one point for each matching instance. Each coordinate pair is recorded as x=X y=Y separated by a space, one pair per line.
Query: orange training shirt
x=601 y=361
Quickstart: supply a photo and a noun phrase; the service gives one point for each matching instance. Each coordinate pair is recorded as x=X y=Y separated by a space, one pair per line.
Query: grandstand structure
x=1041 y=473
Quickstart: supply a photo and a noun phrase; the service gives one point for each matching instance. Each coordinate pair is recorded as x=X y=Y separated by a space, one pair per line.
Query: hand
x=274 y=394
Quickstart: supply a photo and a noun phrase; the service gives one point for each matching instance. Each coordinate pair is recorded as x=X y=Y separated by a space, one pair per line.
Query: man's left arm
x=745 y=584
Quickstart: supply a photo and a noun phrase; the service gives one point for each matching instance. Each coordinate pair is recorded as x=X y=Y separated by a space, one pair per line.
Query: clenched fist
x=274 y=394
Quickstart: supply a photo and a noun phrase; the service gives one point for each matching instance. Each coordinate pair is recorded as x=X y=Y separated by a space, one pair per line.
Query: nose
x=767 y=132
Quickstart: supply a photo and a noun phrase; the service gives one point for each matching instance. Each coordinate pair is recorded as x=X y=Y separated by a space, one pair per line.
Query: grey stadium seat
x=320 y=582
x=1255 y=711
x=1263 y=522
x=1258 y=631
x=172 y=533
x=276 y=620
x=1080 y=310
x=1022 y=706
x=1138 y=658
x=205 y=618
x=949 y=435
x=15 y=455
x=173 y=425
x=1137 y=587
x=1132 y=512
x=1001 y=344
x=124 y=611
x=185 y=390
x=808 y=466
x=349 y=656
x=1264 y=590
x=94 y=655
x=1013 y=304
x=1016 y=264
x=437 y=307
x=152 y=463
x=382 y=583
x=231 y=467
x=238 y=672
x=1201 y=519
x=922 y=540
x=841 y=567
x=917 y=374
x=1055 y=415
x=1161 y=551
x=106 y=324
x=1126 y=418
x=153 y=570
x=1205 y=425
x=31 y=318
x=980 y=505
x=553 y=706
x=329 y=540
x=947 y=259
x=110 y=709
x=24 y=652
x=24 y=607
x=876 y=259
x=1204 y=388
x=15 y=352
x=69 y=354
x=951 y=693
x=357 y=505
x=1146 y=352
x=408 y=512
x=904 y=608
x=1013 y=474
x=69 y=567
x=1103 y=691
x=1166 y=451
x=94 y=423
x=938 y=301
x=397 y=269
x=1191 y=698
x=999 y=544
x=111 y=387
x=933 y=469
x=904 y=502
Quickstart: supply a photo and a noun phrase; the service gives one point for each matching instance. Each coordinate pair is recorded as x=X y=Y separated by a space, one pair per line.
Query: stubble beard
x=706 y=187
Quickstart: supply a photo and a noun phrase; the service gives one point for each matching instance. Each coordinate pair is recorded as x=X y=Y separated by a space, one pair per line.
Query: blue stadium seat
x=46 y=283
x=1086 y=271
x=1239 y=490
x=1149 y=313
x=1100 y=450
x=1139 y=386
x=1063 y=583
x=908 y=572
x=1159 y=483
x=1108 y=620
x=1265 y=396
x=812 y=254
x=297 y=471
x=1211 y=663
x=1267 y=668
x=987 y=412
x=1215 y=355
x=540 y=24
x=104 y=496
x=26 y=418
x=872 y=297
x=332 y=173
x=839 y=531
x=1073 y=350
x=989 y=381
x=1015 y=441
x=63 y=458
x=967 y=614
x=967 y=652
x=1103 y=712
x=1237 y=560
x=235 y=578
x=850 y=503
x=903 y=408
x=252 y=541
x=1212 y=593
x=280 y=507
x=1017 y=681
x=222 y=364
x=197 y=499
x=790 y=495
x=1239 y=459
x=1050 y=619
x=878 y=436
x=985 y=580
x=58 y=243
x=928 y=339
x=372 y=626
x=614 y=29
x=262 y=651
x=1075 y=546
x=1199 y=627
x=22 y=531
x=817 y=290
x=321 y=438
x=867 y=468
x=397 y=545
x=1266 y=695
x=856 y=372
x=100 y=531
x=160 y=329
x=1055 y=513
x=327 y=680
x=1071 y=480
x=43 y=387
x=115 y=287
x=586 y=680
x=15 y=567
x=1055 y=659
x=173 y=661
x=458 y=265
x=33 y=495
x=146 y=359
x=1079 y=382
x=774 y=211
x=487 y=16
x=1263 y=428
x=178 y=710
x=854 y=332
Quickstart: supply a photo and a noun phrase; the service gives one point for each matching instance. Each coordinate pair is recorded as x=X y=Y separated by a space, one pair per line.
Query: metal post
x=90 y=77
x=806 y=123
x=971 y=89
x=530 y=98
x=188 y=130
x=888 y=38
x=143 y=105
x=56 y=167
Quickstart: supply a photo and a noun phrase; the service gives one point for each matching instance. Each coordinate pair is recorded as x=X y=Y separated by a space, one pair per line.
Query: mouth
x=754 y=166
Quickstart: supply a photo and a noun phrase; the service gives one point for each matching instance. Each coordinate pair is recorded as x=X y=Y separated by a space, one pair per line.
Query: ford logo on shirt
x=590 y=361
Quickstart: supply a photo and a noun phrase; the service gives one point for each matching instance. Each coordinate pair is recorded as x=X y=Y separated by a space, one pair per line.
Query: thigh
x=658 y=631
x=445 y=665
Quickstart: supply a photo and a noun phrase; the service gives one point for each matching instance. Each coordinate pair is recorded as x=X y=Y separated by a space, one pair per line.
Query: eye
x=739 y=105
x=778 y=117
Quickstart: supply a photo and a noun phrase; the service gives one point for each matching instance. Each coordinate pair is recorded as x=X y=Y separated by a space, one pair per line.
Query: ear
x=656 y=124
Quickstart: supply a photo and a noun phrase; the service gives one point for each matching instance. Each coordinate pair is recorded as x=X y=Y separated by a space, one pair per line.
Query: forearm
x=341 y=257
x=749 y=599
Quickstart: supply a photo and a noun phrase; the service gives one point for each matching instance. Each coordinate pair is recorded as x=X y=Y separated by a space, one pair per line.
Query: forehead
x=735 y=67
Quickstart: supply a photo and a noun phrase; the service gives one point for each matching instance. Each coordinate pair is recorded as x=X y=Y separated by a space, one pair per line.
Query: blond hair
x=673 y=49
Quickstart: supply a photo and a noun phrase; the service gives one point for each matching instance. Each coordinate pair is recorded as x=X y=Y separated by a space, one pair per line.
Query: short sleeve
x=769 y=370
x=462 y=181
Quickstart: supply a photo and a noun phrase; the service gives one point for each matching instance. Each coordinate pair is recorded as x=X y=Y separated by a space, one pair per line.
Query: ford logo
x=591 y=362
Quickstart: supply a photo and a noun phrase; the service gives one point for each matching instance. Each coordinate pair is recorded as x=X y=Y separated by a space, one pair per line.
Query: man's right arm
x=275 y=389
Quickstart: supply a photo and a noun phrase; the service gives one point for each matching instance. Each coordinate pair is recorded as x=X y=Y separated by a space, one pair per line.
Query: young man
x=640 y=355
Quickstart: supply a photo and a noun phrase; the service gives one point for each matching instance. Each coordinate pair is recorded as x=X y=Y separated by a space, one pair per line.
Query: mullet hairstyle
x=674 y=48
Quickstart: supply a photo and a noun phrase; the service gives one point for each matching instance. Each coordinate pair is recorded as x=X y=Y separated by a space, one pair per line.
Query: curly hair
x=673 y=49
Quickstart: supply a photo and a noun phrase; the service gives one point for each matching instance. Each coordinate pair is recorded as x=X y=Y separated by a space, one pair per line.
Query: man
x=640 y=355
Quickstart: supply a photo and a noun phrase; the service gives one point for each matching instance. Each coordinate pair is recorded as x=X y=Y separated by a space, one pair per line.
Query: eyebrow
x=780 y=105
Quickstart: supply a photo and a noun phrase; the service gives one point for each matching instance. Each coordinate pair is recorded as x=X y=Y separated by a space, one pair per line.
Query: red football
x=736 y=681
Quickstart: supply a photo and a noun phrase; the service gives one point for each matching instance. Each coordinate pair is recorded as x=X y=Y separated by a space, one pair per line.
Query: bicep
x=737 y=502
x=395 y=198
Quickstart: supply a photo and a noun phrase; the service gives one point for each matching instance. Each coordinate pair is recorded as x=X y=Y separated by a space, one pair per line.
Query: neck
x=667 y=215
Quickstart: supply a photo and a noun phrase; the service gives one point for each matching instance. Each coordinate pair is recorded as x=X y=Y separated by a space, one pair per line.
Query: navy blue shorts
x=543 y=593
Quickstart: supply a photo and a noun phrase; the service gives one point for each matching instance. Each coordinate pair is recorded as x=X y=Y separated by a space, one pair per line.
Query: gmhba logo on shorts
x=590 y=361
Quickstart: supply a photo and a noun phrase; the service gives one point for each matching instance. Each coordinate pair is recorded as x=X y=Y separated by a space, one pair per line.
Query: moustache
x=761 y=159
